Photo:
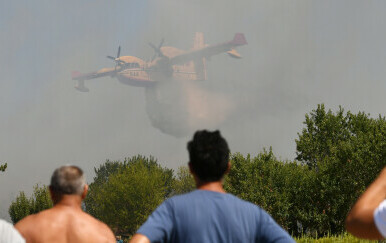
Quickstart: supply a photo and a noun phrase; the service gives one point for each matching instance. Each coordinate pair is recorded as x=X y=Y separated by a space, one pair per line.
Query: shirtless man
x=65 y=222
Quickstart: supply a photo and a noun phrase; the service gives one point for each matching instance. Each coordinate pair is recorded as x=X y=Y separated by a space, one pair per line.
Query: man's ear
x=85 y=190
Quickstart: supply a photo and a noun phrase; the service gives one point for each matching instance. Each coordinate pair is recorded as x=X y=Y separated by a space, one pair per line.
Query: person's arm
x=138 y=238
x=360 y=220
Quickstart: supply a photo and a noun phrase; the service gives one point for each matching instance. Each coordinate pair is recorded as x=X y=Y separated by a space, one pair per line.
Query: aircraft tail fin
x=76 y=75
x=198 y=41
x=239 y=39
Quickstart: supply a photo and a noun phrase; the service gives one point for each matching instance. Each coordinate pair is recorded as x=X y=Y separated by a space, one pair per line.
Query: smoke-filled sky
x=299 y=54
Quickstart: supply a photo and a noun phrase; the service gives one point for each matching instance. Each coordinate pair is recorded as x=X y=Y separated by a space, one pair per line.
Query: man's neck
x=70 y=201
x=215 y=186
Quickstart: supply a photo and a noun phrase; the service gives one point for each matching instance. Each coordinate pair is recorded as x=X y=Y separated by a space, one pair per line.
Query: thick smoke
x=180 y=107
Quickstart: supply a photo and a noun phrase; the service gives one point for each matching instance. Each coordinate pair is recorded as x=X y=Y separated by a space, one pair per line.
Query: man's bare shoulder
x=25 y=226
x=64 y=223
x=30 y=224
x=93 y=229
x=30 y=219
x=37 y=218
x=102 y=227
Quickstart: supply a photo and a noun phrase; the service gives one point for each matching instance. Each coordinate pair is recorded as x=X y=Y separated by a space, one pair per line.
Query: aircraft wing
x=81 y=77
x=76 y=75
x=209 y=51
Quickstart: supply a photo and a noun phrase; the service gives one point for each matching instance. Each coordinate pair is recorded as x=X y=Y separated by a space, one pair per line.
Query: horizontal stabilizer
x=233 y=53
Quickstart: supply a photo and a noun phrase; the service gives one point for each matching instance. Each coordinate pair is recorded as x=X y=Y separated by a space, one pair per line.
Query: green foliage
x=345 y=153
x=40 y=200
x=323 y=131
x=184 y=182
x=342 y=238
x=3 y=167
x=125 y=193
x=102 y=175
x=260 y=180
x=280 y=188
x=19 y=208
x=339 y=155
x=23 y=206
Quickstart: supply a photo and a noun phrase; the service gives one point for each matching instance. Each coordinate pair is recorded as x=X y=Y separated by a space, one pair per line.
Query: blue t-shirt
x=208 y=216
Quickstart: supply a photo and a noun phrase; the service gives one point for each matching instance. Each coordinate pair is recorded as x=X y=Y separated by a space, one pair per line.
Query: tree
x=3 y=167
x=126 y=192
x=344 y=152
x=23 y=206
x=19 y=208
x=262 y=181
x=184 y=182
x=41 y=199
x=338 y=156
x=323 y=131
x=101 y=177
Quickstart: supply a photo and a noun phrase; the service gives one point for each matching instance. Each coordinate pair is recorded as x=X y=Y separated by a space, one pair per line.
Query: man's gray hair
x=68 y=179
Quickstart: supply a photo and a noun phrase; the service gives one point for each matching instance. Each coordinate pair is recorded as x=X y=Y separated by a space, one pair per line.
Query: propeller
x=116 y=59
x=157 y=50
x=119 y=52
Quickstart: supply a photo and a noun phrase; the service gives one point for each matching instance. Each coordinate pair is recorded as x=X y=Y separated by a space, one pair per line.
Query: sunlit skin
x=65 y=222
x=360 y=220
x=215 y=186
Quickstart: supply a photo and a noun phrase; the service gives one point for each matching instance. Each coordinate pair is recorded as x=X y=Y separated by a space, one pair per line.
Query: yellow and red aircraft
x=167 y=63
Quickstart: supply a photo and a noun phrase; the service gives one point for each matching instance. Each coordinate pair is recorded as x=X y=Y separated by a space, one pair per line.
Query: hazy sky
x=300 y=54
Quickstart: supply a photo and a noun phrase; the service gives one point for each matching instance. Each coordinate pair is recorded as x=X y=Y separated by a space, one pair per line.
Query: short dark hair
x=68 y=179
x=209 y=155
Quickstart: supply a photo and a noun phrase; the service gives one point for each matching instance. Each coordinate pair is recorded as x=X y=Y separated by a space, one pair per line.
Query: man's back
x=208 y=216
x=64 y=224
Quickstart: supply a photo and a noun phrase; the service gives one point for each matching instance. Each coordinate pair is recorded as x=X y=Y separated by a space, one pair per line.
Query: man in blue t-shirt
x=209 y=214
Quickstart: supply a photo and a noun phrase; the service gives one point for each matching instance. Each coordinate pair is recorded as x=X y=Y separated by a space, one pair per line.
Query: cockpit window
x=132 y=65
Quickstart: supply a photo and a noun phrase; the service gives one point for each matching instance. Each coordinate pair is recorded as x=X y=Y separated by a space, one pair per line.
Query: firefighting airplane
x=167 y=63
